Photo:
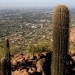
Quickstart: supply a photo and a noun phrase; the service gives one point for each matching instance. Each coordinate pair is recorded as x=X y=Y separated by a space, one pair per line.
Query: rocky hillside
x=31 y=64
x=38 y=64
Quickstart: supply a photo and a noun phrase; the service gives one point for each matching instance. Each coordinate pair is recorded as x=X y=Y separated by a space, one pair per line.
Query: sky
x=35 y=3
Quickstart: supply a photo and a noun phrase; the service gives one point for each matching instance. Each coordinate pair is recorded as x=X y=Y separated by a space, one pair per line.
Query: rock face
x=22 y=72
x=38 y=64
x=30 y=64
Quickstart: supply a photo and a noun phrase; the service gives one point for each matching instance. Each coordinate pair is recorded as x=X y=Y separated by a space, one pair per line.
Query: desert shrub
x=2 y=48
x=13 y=48
x=39 y=47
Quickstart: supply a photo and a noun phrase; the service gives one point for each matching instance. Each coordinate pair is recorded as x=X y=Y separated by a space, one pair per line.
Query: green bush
x=39 y=47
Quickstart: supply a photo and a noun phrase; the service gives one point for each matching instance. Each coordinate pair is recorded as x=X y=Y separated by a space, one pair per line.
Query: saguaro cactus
x=5 y=61
x=60 y=40
x=8 y=58
x=7 y=50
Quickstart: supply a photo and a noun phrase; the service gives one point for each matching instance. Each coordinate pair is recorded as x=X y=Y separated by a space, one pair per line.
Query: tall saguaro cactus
x=60 y=40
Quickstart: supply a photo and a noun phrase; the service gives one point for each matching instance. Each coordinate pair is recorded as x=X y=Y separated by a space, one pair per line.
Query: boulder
x=13 y=62
x=39 y=66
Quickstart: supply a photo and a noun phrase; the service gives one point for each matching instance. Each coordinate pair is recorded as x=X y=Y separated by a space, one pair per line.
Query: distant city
x=23 y=26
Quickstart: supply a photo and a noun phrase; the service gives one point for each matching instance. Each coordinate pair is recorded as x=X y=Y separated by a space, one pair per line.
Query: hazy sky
x=35 y=3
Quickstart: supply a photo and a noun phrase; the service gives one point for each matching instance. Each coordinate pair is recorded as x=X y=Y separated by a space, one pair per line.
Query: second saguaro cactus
x=5 y=61
x=8 y=57
x=60 y=40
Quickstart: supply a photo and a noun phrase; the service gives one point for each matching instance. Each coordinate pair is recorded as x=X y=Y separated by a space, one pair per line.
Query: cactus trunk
x=60 y=40
x=8 y=58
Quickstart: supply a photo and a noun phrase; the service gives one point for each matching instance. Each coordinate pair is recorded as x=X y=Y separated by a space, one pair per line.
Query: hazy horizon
x=4 y=4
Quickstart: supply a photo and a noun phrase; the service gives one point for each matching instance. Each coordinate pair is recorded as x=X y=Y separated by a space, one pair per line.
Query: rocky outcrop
x=30 y=64
x=38 y=64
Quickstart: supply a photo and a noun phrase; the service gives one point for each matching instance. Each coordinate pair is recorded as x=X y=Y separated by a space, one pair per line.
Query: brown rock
x=21 y=72
x=73 y=57
x=45 y=53
x=31 y=56
x=20 y=60
x=72 y=52
x=39 y=66
x=13 y=62
x=19 y=57
x=32 y=70
x=38 y=55
x=26 y=57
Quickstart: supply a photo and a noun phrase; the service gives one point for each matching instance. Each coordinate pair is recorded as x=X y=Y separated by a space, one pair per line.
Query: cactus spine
x=60 y=40
x=8 y=58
